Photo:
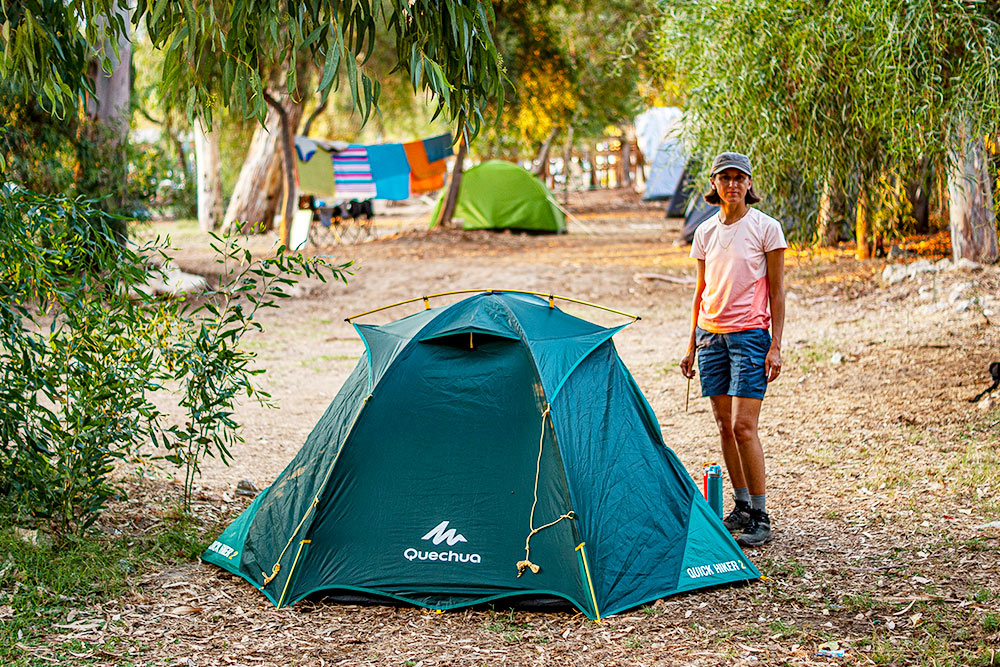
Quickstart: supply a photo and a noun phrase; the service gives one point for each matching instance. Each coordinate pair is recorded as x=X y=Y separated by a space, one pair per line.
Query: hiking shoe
x=757 y=532
x=739 y=518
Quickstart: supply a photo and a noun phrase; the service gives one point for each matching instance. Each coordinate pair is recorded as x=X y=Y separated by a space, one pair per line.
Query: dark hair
x=712 y=197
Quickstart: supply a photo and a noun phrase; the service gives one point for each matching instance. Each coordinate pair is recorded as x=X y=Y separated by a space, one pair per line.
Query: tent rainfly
x=493 y=448
x=503 y=195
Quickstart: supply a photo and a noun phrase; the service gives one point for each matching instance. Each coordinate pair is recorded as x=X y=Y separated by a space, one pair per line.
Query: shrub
x=82 y=351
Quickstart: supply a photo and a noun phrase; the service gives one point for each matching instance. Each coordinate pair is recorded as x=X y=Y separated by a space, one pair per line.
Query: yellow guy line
x=590 y=583
x=550 y=297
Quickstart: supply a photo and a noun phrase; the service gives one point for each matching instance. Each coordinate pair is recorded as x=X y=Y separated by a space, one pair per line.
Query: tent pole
x=590 y=583
x=291 y=572
x=426 y=301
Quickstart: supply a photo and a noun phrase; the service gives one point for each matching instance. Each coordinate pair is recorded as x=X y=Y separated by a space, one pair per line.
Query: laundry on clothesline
x=385 y=171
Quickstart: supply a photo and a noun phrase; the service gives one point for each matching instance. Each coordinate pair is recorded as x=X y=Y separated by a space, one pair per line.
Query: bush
x=82 y=351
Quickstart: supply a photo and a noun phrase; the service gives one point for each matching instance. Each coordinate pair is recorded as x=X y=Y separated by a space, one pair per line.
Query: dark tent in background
x=698 y=211
x=465 y=435
x=686 y=188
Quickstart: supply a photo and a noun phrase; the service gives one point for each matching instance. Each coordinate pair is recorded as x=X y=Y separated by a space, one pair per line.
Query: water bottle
x=713 y=486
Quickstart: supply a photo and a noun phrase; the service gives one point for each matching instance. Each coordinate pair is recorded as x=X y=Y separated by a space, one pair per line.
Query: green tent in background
x=503 y=195
x=464 y=430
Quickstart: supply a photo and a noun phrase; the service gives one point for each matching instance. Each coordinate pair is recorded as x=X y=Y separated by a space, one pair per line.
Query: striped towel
x=353 y=173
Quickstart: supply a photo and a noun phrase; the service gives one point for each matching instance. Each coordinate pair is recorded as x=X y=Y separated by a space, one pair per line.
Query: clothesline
x=383 y=171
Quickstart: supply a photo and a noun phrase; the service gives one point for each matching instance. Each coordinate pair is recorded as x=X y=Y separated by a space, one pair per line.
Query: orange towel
x=419 y=186
x=420 y=168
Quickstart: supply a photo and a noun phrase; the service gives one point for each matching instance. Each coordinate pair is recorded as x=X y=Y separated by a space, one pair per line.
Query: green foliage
x=83 y=350
x=225 y=52
x=72 y=380
x=853 y=93
x=74 y=157
x=200 y=345
x=566 y=68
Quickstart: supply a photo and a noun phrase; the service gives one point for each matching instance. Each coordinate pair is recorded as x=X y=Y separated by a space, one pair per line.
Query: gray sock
x=742 y=495
x=757 y=502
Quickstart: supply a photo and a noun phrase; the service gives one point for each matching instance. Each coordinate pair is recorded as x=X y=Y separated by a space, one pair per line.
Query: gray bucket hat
x=725 y=161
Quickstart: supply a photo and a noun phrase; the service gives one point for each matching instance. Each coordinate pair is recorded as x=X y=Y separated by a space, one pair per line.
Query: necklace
x=735 y=225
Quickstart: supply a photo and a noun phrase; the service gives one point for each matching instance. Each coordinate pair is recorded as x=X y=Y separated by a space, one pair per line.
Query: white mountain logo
x=442 y=532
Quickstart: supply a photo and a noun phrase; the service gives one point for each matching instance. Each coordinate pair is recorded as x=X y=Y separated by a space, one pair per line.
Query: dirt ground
x=882 y=476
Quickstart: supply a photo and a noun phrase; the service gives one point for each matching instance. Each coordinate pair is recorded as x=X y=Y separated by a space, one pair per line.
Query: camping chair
x=346 y=222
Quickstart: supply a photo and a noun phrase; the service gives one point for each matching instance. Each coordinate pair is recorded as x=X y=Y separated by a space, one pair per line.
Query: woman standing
x=740 y=293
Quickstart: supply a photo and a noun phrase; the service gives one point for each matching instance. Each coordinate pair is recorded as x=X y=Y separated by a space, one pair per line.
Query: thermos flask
x=713 y=486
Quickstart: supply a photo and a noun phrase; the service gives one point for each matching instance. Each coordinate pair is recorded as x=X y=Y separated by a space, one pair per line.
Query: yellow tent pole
x=292 y=571
x=426 y=300
x=586 y=568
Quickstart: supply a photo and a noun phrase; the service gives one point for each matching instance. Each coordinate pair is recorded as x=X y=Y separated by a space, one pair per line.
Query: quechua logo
x=441 y=533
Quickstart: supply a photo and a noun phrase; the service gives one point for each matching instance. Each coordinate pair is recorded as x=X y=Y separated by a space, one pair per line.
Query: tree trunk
x=258 y=190
x=206 y=147
x=258 y=186
x=592 y=159
x=101 y=169
x=111 y=102
x=567 y=163
x=831 y=215
x=448 y=210
x=182 y=161
x=970 y=209
x=542 y=160
x=862 y=227
x=918 y=193
x=286 y=146
x=626 y=168
x=307 y=128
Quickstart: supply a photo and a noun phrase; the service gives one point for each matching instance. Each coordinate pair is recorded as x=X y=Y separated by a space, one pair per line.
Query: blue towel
x=390 y=171
x=438 y=148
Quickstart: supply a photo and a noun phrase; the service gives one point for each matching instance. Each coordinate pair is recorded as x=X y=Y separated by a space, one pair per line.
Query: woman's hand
x=687 y=365
x=772 y=364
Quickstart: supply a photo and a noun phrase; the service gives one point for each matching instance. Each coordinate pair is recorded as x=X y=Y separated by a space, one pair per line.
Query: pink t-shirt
x=736 y=289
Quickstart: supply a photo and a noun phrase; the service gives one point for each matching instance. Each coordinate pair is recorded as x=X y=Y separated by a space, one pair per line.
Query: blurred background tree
x=872 y=104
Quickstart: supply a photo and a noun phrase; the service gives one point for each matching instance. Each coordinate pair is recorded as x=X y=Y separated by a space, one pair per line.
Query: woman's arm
x=687 y=363
x=776 y=294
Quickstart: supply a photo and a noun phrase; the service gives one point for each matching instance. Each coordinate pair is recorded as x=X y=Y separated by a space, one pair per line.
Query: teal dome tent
x=491 y=448
x=503 y=195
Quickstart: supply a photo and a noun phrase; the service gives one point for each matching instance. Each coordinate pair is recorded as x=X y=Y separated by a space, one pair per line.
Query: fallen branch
x=680 y=280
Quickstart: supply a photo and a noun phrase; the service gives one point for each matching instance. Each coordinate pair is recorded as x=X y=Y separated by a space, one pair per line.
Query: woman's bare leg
x=745 y=412
x=722 y=408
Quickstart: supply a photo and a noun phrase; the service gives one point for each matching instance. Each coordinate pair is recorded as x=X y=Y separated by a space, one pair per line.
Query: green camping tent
x=503 y=195
x=465 y=433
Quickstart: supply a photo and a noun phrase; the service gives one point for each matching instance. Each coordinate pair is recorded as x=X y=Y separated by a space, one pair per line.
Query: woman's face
x=732 y=185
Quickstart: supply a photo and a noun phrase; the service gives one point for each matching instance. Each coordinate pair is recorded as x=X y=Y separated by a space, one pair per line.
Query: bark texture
x=567 y=164
x=448 y=210
x=626 y=161
x=972 y=217
x=862 y=228
x=206 y=146
x=257 y=194
x=831 y=215
x=542 y=160
x=286 y=148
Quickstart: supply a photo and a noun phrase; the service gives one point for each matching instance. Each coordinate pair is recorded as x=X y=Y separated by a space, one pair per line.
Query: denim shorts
x=733 y=363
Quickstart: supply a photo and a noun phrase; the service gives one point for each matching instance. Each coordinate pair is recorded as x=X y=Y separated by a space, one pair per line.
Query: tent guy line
x=550 y=297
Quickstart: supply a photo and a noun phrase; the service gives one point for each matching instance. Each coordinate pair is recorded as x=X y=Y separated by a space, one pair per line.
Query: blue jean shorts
x=733 y=363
